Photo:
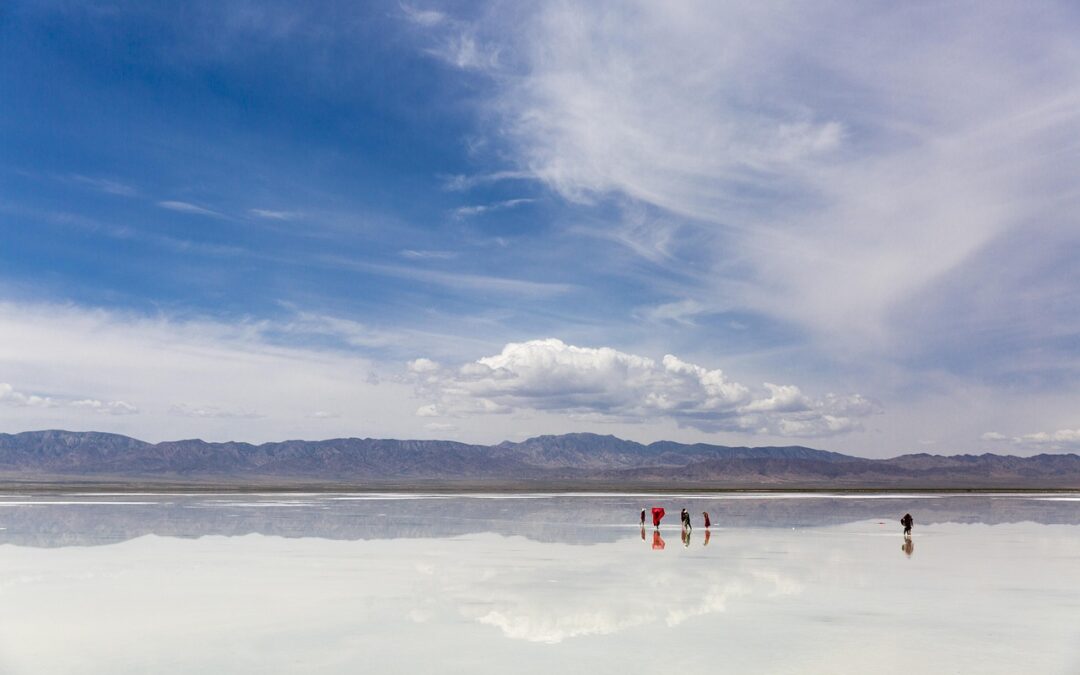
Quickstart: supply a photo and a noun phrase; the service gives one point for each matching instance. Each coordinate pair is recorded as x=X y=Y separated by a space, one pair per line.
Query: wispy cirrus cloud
x=422 y=254
x=861 y=208
x=188 y=207
x=423 y=17
x=480 y=209
x=105 y=185
x=457 y=280
x=463 y=182
x=274 y=215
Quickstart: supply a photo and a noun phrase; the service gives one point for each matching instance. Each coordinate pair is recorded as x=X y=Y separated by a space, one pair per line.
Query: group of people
x=658 y=514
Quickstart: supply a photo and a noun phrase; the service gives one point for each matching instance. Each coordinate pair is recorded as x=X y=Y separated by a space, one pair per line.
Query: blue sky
x=850 y=227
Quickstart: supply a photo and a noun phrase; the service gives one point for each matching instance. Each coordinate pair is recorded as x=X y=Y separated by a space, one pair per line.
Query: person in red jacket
x=708 y=523
x=657 y=516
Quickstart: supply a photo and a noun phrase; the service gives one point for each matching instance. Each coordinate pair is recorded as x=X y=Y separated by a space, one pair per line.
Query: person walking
x=643 y=517
x=908 y=522
x=686 y=520
x=708 y=523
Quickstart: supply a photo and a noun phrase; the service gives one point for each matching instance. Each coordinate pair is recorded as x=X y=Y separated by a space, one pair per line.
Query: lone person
x=643 y=517
x=908 y=522
x=686 y=520
x=708 y=523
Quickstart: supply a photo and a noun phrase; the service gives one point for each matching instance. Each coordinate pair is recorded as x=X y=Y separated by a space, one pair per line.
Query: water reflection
x=908 y=546
x=68 y=520
x=530 y=586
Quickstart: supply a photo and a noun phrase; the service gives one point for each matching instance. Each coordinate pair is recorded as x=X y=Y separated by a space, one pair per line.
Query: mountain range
x=568 y=460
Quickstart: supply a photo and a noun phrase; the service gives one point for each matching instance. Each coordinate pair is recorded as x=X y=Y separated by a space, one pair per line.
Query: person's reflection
x=909 y=546
x=686 y=537
x=657 y=541
x=643 y=532
x=707 y=535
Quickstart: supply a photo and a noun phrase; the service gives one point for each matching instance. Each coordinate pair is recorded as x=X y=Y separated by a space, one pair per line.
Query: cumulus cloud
x=9 y=396
x=12 y=397
x=106 y=407
x=550 y=375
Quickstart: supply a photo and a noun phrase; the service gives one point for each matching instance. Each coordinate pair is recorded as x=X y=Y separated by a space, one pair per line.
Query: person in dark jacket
x=908 y=522
x=686 y=520
x=643 y=517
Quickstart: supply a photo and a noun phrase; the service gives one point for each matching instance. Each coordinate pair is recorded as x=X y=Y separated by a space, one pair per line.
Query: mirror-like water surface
x=538 y=583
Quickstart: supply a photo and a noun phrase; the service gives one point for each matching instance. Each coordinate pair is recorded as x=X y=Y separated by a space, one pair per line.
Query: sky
x=852 y=226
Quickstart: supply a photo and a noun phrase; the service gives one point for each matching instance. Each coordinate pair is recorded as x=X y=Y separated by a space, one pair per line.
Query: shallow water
x=395 y=583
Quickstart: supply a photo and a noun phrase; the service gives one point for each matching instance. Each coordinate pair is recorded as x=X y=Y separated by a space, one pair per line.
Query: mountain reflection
x=84 y=520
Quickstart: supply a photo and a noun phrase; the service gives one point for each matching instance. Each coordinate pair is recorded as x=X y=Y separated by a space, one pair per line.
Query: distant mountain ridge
x=570 y=459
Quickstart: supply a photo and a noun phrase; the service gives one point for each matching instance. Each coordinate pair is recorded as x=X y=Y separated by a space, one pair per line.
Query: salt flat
x=395 y=584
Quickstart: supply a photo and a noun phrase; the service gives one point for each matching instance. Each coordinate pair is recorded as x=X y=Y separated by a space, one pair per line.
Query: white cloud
x=106 y=185
x=550 y=375
x=423 y=17
x=480 y=209
x=1062 y=436
x=459 y=280
x=187 y=410
x=10 y=396
x=187 y=207
x=852 y=191
x=422 y=366
x=461 y=182
x=1060 y=440
x=274 y=215
x=106 y=407
x=461 y=49
x=682 y=311
x=413 y=254
x=189 y=378
x=782 y=398
x=440 y=426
